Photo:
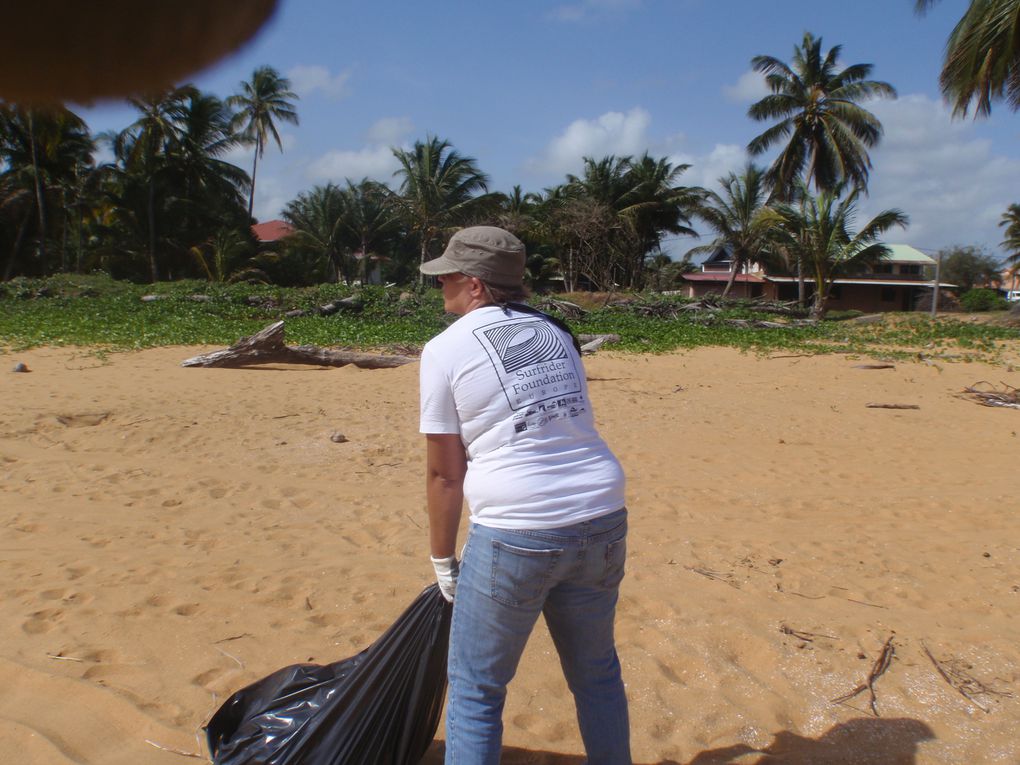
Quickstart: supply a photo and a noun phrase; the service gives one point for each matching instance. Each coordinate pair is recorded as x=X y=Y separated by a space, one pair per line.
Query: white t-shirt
x=512 y=385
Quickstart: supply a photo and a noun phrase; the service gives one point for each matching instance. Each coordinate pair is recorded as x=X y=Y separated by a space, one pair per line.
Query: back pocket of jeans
x=616 y=557
x=520 y=575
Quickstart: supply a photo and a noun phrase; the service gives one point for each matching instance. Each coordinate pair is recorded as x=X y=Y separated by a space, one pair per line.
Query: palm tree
x=658 y=206
x=263 y=101
x=368 y=222
x=439 y=188
x=221 y=253
x=742 y=221
x=212 y=188
x=820 y=231
x=317 y=218
x=617 y=212
x=826 y=132
x=44 y=150
x=1011 y=222
x=982 y=56
x=143 y=150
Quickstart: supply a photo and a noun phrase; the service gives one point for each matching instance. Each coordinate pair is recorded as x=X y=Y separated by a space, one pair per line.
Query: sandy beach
x=170 y=535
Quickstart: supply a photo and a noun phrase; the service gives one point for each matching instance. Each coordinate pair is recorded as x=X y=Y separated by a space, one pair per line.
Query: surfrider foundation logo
x=526 y=343
x=533 y=366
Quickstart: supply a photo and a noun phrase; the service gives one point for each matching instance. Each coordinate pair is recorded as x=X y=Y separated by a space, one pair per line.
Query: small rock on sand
x=21 y=367
x=338 y=438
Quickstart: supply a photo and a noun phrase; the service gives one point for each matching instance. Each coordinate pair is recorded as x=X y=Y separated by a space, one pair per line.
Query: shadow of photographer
x=892 y=741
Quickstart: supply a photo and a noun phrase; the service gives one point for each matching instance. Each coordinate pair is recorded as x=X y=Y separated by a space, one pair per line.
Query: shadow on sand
x=864 y=741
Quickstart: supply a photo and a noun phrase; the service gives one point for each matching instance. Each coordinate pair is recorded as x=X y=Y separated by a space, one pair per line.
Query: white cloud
x=270 y=198
x=585 y=9
x=706 y=170
x=934 y=169
x=750 y=87
x=307 y=80
x=375 y=162
x=390 y=131
x=612 y=133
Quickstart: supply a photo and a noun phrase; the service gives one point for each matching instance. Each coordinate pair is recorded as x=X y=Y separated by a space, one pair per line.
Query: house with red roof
x=271 y=232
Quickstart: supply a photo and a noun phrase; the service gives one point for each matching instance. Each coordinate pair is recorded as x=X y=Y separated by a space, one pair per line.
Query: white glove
x=447 y=570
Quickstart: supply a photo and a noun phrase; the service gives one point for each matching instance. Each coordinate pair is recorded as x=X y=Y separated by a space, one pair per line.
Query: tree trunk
x=801 y=289
x=153 y=267
x=9 y=269
x=267 y=347
x=735 y=267
x=63 y=232
x=39 y=197
x=254 y=167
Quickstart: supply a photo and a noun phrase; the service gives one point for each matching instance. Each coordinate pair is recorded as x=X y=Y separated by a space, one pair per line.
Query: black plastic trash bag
x=381 y=707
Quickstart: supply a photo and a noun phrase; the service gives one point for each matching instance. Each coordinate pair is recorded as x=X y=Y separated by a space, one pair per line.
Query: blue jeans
x=570 y=574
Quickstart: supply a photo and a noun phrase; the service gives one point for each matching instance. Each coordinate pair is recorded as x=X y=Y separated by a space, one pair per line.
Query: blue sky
x=528 y=88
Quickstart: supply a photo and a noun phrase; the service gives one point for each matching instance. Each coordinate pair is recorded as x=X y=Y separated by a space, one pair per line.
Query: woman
x=509 y=428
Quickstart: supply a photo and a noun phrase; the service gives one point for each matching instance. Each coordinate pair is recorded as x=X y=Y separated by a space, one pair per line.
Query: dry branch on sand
x=877 y=670
x=1007 y=397
x=267 y=347
x=892 y=406
x=962 y=682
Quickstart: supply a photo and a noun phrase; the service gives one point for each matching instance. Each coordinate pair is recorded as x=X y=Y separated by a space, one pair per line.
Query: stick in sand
x=877 y=670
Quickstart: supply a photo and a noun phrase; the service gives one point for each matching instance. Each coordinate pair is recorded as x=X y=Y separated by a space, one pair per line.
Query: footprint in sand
x=82 y=420
x=42 y=621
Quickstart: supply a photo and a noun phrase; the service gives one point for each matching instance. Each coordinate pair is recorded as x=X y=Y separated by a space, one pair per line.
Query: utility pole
x=935 y=287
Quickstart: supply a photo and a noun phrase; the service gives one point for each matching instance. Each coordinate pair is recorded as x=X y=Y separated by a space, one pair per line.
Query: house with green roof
x=895 y=283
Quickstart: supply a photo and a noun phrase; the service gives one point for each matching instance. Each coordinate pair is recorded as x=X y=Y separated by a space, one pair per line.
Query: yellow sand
x=170 y=535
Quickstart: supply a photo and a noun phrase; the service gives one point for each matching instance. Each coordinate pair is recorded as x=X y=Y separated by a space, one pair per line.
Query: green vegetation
x=97 y=311
x=982 y=300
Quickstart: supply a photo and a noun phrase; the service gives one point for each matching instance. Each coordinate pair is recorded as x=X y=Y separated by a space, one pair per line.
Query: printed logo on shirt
x=533 y=366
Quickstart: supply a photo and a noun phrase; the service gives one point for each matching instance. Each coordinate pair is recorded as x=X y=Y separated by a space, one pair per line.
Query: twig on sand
x=713 y=575
x=234 y=637
x=866 y=603
x=874 y=366
x=790 y=356
x=892 y=406
x=230 y=656
x=412 y=520
x=181 y=752
x=801 y=635
x=962 y=682
x=63 y=658
x=877 y=670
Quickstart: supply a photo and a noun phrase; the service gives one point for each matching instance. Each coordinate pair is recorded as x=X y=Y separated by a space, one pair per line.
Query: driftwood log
x=267 y=347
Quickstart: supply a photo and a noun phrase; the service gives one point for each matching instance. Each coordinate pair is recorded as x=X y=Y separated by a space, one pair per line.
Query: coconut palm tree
x=824 y=132
x=210 y=187
x=44 y=150
x=1011 y=222
x=143 y=150
x=618 y=211
x=742 y=221
x=659 y=205
x=820 y=230
x=439 y=188
x=369 y=222
x=264 y=100
x=982 y=56
x=317 y=217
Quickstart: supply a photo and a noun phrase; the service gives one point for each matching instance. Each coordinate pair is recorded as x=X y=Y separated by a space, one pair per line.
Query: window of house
x=836 y=292
x=888 y=294
x=883 y=268
x=910 y=269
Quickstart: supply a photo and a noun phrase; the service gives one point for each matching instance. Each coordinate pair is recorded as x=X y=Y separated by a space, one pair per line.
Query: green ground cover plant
x=99 y=312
